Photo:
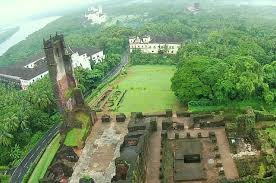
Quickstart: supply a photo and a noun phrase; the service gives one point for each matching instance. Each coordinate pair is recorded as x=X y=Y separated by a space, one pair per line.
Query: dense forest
x=25 y=117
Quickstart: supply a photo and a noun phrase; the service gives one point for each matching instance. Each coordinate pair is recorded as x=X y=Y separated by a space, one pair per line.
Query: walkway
x=153 y=163
x=102 y=147
x=228 y=163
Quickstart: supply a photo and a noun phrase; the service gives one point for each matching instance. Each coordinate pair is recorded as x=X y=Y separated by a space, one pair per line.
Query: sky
x=18 y=10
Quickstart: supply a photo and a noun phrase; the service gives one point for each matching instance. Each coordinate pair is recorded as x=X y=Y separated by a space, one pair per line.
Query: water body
x=25 y=30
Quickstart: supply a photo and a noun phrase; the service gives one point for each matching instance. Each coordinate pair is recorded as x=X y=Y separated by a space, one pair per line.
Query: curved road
x=19 y=172
x=116 y=70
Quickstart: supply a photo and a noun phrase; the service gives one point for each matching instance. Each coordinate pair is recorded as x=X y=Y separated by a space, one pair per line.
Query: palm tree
x=5 y=137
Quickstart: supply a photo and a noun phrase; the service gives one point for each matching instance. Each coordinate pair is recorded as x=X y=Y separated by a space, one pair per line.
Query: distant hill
x=6 y=34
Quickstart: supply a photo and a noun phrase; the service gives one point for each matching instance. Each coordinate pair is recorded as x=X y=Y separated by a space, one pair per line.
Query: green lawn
x=148 y=89
x=45 y=160
x=75 y=136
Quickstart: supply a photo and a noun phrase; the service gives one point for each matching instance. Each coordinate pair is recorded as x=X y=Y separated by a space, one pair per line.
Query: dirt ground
x=229 y=165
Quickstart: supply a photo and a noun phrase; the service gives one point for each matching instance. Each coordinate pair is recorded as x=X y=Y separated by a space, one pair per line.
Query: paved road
x=19 y=173
x=22 y=169
x=116 y=70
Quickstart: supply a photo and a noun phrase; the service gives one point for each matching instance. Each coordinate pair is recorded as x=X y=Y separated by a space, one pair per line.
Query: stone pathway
x=101 y=149
x=153 y=163
x=228 y=163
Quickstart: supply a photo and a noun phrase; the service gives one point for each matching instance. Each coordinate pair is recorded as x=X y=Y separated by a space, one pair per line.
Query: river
x=25 y=30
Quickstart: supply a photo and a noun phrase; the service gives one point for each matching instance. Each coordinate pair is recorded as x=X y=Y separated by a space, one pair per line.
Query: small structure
x=167 y=124
x=148 y=44
x=187 y=161
x=131 y=164
x=121 y=117
x=106 y=118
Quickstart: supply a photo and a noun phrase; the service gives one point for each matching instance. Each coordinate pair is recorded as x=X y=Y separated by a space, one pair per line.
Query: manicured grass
x=45 y=160
x=148 y=89
x=75 y=136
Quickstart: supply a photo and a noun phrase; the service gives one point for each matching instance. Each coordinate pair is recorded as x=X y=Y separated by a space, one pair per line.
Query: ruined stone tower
x=61 y=74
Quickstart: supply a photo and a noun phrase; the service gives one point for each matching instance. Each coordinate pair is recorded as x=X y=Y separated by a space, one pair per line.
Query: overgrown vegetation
x=25 y=117
x=76 y=136
x=138 y=58
x=234 y=63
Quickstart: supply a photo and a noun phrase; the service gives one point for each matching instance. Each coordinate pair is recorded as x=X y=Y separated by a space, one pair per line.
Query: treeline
x=234 y=64
x=90 y=79
x=25 y=117
x=139 y=58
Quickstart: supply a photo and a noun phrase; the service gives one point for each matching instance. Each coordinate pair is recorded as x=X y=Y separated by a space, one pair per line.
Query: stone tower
x=61 y=74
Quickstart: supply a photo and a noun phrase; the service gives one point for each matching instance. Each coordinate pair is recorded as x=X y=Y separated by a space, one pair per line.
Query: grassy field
x=75 y=136
x=148 y=89
x=45 y=160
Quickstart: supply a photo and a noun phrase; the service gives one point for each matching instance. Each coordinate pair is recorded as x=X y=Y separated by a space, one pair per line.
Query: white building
x=82 y=57
x=96 y=16
x=26 y=73
x=195 y=8
x=148 y=44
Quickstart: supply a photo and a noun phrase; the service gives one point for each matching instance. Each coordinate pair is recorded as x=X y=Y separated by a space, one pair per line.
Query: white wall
x=84 y=60
x=98 y=57
x=26 y=83
x=155 y=47
x=81 y=61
